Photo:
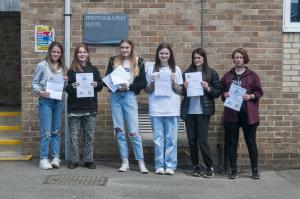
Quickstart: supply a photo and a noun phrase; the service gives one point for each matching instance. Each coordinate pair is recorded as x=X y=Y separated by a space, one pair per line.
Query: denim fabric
x=165 y=141
x=50 y=111
x=124 y=110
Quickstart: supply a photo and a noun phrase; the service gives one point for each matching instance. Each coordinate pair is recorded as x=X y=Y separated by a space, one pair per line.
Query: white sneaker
x=160 y=171
x=44 y=164
x=169 y=171
x=142 y=167
x=55 y=163
x=125 y=166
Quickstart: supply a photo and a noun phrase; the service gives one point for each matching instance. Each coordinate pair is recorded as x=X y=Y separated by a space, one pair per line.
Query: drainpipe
x=202 y=24
x=67 y=16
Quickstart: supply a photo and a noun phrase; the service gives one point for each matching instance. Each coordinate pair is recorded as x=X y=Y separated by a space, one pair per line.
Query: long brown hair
x=171 y=60
x=132 y=58
x=76 y=66
x=205 y=73
x=61 y=60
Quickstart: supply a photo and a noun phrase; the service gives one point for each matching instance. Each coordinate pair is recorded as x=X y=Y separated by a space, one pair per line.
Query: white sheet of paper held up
x=108 y=81
x=119 y=76
x=235 y=99
x=84 y=89
x=194 y=84
x=55 y=87
x=163 y=85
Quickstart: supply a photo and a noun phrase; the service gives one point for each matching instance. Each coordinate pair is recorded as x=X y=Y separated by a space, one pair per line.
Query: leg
x=118 y=123
x=55 y=130
x=88 y=127
x=232 y=133
x=130 y=111
x=192 y=136
x=202 y=130
x=45 y=117
x=74 y=127
x=157 y=124
x=250 y=138
x=171 y=126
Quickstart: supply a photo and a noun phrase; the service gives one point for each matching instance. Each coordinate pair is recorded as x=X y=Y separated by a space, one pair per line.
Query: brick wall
x=229 y=24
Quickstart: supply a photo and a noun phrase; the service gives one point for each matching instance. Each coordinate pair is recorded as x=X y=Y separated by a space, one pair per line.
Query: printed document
x=84 y=89
x=163 y=84
x=194 y=84
x=55 y=87
x=235 y=99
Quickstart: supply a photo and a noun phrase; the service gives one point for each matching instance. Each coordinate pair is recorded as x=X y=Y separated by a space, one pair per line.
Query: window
x=291 y=16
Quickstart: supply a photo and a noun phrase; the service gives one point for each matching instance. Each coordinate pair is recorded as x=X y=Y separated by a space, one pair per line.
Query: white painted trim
x=289 y=26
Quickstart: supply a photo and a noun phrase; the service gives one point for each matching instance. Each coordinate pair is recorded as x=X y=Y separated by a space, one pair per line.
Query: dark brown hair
x=205 y=73
x=61 y=60
x=171 y=60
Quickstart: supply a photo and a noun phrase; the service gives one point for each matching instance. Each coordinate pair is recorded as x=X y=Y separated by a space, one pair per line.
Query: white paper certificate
x=119 y=76
x=108 y=81
x=235 y=99
x=84 y=89
x=163 y=85
x=194 y=84
x=55 y=87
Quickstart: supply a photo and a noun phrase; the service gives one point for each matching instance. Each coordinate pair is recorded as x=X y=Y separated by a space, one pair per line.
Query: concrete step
x=13 y=156
x=10 y=118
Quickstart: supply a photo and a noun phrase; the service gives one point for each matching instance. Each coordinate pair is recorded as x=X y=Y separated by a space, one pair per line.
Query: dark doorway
x=10 y=56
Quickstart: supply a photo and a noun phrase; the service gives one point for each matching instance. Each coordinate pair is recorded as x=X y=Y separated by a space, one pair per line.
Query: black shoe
x=233 y=174
x=255 y=174
x=209 y=173
x=90 y=165
x=196 y=171
x=72 y=165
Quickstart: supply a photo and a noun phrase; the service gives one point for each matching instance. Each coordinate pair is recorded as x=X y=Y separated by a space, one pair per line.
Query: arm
x=140 y=81
x=71 y=80
x=37 y=77
x=98 y=79
x=256 y=91
x=215 y=86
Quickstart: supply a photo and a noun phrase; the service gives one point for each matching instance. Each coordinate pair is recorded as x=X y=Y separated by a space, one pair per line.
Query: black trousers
x=232 y=138
x=197 y=133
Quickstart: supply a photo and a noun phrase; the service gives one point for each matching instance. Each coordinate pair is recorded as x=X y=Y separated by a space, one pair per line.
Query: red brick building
x=261 y=27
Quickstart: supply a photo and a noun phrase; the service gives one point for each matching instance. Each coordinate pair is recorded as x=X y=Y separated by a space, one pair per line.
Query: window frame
x=289 y=26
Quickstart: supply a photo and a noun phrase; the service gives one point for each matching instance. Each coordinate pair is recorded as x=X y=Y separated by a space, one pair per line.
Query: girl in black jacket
x=196 y=111
x=82 y=111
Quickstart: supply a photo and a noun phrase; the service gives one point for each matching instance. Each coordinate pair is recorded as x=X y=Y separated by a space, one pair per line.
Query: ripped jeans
x=50 y=114
x=124 y=110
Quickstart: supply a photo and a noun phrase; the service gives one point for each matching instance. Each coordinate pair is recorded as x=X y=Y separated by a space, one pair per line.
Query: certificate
x=84 y=89
x=55 y=87
x=235 y=99
x=108 y=81
x=120 y=76
x=163 y=85
x=194 y=84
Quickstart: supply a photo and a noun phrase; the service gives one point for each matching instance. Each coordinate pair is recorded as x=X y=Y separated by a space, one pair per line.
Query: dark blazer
x=139 y=81
x=208 y=99
x=251 y=82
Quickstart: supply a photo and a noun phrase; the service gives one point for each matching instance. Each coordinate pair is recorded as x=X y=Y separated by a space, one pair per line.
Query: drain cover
x=76 y=180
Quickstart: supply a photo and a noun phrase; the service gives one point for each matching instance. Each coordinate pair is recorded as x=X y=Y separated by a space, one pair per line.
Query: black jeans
x=232 y=138
x=197 y=132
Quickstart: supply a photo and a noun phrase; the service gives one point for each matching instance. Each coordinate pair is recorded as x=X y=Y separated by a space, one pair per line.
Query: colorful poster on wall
x=44 y=35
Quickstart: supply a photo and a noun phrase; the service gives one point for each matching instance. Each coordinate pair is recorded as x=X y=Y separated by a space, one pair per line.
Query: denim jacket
x=41 y=75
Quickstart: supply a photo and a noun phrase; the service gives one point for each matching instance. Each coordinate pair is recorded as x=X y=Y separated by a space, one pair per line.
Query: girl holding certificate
x=50 y=109
x=196 y=109
x=129 y=71
x=82 y=106
x=248 y=115
x=164 y=86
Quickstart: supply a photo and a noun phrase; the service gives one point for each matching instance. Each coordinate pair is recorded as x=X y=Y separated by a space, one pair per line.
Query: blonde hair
x=133 y=60
x=61 y=60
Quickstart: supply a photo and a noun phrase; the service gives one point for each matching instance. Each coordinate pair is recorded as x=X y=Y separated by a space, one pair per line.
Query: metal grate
x=76 y=180
x=145 y=124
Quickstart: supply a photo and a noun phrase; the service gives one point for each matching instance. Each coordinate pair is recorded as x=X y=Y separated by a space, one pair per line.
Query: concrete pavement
x=24 y=180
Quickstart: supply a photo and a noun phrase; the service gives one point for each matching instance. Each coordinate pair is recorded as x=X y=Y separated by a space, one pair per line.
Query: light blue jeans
x=50 y=114
x=165 y=141
x=124 y=110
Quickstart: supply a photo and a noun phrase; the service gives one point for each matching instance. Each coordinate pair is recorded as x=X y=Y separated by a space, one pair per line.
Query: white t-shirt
x=164 y=105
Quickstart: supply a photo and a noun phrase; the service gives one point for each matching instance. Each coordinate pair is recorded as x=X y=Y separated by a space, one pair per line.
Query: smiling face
x=125 y=49
x=55 y=54
x=164 y=55
x=198 y=60
x=238 y=59
x=82 y=55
